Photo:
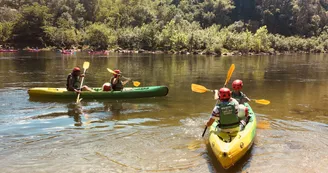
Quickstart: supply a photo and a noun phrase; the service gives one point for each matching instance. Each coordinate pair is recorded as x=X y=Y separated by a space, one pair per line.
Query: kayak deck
x=132 y=92
x=230 y=147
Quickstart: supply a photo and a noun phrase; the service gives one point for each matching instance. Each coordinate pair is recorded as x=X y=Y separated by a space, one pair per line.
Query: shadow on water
x=215 y=165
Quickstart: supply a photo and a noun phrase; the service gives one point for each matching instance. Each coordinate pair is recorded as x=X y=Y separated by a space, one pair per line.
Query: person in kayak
x=116 y=83
x=237 y=86
x=73 y=81
x=227 y=112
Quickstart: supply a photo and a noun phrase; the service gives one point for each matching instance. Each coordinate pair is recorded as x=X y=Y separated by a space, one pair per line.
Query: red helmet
x=76 y=69
x=224 y=94
x=117 y=72
x=107 y=87
x=237 y=85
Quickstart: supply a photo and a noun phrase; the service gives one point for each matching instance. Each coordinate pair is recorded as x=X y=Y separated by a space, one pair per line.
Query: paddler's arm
x=114 y=81
x=210 y=122
x=71 y=87
x=245 y=99
x=125 y=82
x=214 y=116
x=216 y=95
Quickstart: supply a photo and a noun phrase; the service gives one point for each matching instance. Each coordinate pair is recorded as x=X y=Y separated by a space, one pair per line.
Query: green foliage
x=261 y=41
x=8 y=14
x=99 y=36
x=28 y=30
x=6 y=29
x=148 y=36
x=172 y=25
x=279 y=42
x=63 y=37
x=214 y=12
x=129 y=38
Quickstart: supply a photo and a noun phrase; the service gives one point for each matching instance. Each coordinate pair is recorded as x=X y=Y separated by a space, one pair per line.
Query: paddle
x=135 y=83
x=261 y=101
x=231 y=69
x=199 y=88
x=203 y=89
x=86 y=65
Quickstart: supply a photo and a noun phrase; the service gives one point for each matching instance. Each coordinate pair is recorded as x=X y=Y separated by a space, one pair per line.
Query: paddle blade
x=263 y=125
x=199 y=88
x=111 y=71
x=136 y=83
x=262 y=101
x=231 y=69
x=78 y=100
x=86 y=65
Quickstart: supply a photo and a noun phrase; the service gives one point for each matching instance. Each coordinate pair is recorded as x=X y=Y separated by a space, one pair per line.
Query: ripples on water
x=160 y=134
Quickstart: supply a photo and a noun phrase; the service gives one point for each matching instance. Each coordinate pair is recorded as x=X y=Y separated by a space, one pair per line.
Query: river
x=160 y=134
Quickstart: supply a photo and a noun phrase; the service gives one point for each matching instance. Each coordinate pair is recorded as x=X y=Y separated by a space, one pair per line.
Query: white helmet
x=242 y=111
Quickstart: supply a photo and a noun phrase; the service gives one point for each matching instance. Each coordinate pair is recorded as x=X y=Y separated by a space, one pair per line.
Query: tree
x=99 y=36
x=214 y=12
x=29 y=29
x=5 y=31
x=63 y=37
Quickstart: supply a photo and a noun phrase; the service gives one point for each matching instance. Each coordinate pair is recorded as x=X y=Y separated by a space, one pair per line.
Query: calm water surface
x=160 y=134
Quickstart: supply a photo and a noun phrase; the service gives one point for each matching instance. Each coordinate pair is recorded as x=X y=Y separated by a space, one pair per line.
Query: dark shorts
x=68 y=89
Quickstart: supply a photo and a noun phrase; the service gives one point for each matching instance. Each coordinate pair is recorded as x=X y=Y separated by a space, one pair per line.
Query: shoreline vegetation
x=212 y=27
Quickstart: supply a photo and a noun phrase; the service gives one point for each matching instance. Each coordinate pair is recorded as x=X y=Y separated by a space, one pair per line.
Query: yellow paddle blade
x=231 y=69
x=136 y=83
x=263 y=125
x=199 y=88
x=262 y=101
x=86 y=64
x=111 y=71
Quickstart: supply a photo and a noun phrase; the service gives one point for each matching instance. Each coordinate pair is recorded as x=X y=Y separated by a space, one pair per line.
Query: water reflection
x=113 y=107
x=75 y=111
x=95 y=112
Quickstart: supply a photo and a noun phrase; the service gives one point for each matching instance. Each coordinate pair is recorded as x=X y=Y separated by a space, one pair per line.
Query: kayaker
x=237 y=86
x=73 y=81
x=226 y=112
x=116 y=82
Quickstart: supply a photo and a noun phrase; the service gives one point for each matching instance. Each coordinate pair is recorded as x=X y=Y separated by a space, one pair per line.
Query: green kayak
x=133 y=92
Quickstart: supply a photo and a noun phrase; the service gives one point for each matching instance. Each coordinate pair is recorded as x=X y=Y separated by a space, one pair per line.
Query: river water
x=160 y=134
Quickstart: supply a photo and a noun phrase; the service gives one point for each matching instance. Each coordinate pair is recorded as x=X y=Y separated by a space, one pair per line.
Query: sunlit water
x=160 y=134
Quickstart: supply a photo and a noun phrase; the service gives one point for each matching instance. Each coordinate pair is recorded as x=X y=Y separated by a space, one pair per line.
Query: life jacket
x=228 y=116
x=239 y=98
x=118 y=86
x=75 y=80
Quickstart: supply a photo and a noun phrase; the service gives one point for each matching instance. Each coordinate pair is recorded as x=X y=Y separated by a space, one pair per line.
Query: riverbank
x=182 y=52
x=199 y=52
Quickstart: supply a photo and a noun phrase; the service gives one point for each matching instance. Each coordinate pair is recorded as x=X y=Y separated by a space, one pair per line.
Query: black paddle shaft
x=204 y=131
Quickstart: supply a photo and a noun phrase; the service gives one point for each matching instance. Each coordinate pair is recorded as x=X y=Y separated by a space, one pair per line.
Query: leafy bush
x=99 y=36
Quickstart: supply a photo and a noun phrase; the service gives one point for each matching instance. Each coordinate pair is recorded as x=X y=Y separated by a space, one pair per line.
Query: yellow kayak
x=230 y=147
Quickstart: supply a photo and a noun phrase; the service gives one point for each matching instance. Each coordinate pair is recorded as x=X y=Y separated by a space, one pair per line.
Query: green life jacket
x=228 y=117
x=75 y=81
x=118 y=86
x=239 y=98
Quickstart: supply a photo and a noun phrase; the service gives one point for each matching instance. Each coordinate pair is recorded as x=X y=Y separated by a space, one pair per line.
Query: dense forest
x=216 y=26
